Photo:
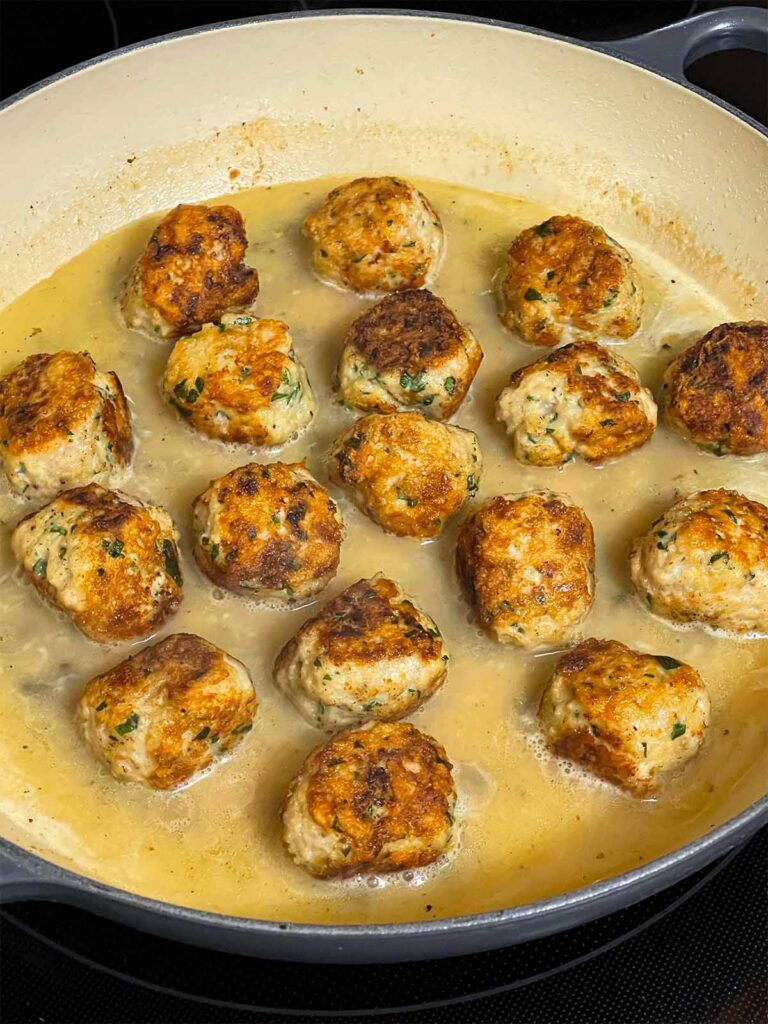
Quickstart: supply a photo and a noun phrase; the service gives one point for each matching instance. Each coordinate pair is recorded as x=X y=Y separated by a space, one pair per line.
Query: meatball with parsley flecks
x=628 y=717
x=63 y=423
x=169 y=712
x=107 y=560
x=268 y=532
x=705 y=561
x=527 y=564
x=409 y=474
x=240 y=381
x=190 y=273
x=408 y=350
x=716 y=392
x=377 y=798
x=375 y=235
x=368 y=654
x=578 y=400
x=566 y=280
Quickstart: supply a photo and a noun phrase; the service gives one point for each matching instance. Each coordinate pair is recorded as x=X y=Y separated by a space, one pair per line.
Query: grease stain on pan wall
x=529 y=829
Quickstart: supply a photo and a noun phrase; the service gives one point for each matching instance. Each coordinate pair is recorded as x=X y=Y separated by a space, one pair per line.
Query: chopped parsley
x=449 y=385
x=204 y=732
x=531 y=295
x=189 y=395
x=172 y=561
x=677 y=730
x=718 y=555
x=291 y=389
x=39 y=567
x=471 y=483
x=623 y=396
x=102 y=706
x=542 y=230
x=666 y=662
x=413 y=382
x=607 y=423
x=245 y=373
x=113 y=548
x=131 y=723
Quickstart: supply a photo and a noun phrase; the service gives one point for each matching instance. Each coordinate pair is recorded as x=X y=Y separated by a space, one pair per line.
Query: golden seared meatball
x=169 y=712
x=240 y=380
x=375 y=235
x=629 y=718
x=107 y=560
x=377 y=798
x=409 y=474
x=408 y=350
x=527 y=563
x=716 y=392
x=369 y=654
x=191 y=272
x=566 y=280
x=706 y=561
x=579 y=400
x=63 y=423
x=268 y=531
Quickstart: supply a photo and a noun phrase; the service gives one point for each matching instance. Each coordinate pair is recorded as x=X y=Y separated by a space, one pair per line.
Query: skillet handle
x=673 y=48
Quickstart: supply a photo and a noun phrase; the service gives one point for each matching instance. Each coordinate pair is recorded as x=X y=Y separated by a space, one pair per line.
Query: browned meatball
x=716 y=392
x=169 y=712
x=63 y=423
x=626 y=716
x=567 y=280
x=190 y=273
x=377 y=798
x=408 y=350
x=527 y=563
x=268 y=531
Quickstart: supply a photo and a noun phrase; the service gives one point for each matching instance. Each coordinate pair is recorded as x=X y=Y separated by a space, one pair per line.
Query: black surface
x=696 y=955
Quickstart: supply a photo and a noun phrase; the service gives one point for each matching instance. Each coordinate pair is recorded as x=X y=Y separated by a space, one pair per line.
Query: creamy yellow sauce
x=530 y=827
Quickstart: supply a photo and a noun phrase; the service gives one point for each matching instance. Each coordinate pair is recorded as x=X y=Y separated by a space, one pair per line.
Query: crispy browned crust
x=119 y=605
x=380 y=446
x=497 y=587
x=409 y=331
x=615 y=426
x=192 y=269
x=249 y=497
x=717 y=390
x=362 y=772
x=611 y=683
x=585 y=270
x=367 y=623
x=186 y=670
x=47 y=397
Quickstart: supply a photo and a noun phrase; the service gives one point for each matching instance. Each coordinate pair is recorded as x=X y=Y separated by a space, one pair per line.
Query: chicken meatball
x=566 y=280
x=375 y=235
x=239 y=380
x=191 y=272
x=63 y=423
x=706 y=561
x=269 y=532
x=408 y=350
x=409 y=474
x=168 y=713
x=107 y=560
x=716 y=392
x=629 y=718
x=378 y=798
x=527 y=563
x=369 y=654
x=579 y=400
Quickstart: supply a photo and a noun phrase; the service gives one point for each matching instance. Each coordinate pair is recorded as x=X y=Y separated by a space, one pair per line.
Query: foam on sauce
x=529 y=828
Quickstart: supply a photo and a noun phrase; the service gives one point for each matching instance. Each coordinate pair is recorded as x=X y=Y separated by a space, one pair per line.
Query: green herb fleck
x=412 y=382
x=291 y=389
x=531 y=295
x=39 y=567
x=607 y=423
x=245 y=373
x=131 y=723
x=113 y=548
x=471 y=483
x=718 y=555
x=172 y=561
x=623 y=396
x=204 y=732
x=449 y=385
x=102 y=706
x=677 y=730
x=666 y=662
x=542 y=230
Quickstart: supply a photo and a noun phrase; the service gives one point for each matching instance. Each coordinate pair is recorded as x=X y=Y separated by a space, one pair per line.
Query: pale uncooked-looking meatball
x=369 y=654
x=377 y=798
x=716 y=392
x=375 y=235
x=107 y=560
x=169 y=712
x=240 y=381
x=578 y=400
x=268 y=532
x=190 y=272
x=628 y=717
x=706 y=561
x=409 y=474
x=566 y=280
x=408 y=350
x=63 y=423
x=527 y=563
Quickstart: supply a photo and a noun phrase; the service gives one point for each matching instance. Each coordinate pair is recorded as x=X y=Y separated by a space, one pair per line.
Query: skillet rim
x=48 y=875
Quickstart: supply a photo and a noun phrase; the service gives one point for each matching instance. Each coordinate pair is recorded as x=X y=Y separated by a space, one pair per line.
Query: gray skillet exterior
x=24 y=876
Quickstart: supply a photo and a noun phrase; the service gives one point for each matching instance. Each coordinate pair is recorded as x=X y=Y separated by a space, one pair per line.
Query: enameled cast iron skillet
x=476 y=102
